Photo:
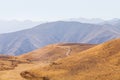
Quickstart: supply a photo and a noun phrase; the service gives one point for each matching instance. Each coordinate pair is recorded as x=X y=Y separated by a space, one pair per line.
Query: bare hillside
x=101 y=62
x=55 y=51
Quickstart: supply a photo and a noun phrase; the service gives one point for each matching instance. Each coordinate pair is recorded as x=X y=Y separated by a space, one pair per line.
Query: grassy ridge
x=98 y=63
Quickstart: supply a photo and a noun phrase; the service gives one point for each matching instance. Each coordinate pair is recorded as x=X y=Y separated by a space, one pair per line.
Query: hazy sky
x=58 y=9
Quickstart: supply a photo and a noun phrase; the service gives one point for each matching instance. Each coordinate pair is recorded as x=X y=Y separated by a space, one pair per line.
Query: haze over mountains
x=16 y=25
x=24 y=41
x=84 y=20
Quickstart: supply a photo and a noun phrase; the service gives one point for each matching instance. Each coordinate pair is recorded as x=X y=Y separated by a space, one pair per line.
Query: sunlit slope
x=10 y=62
x=98 y=63
x=56 y=51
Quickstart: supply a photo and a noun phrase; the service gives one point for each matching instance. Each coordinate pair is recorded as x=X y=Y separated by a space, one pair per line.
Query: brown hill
x=98 y=63
x=55 y=51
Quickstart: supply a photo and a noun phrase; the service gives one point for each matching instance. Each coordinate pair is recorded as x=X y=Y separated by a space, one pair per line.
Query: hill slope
x=55 y=32
x=11 y=67
x=55 y=51
x=101 y=62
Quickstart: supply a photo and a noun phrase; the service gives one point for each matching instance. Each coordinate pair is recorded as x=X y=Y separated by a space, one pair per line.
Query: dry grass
x=6 y=63
x=11 y=67
x=55 y=51
x=14 y=74
x=10 y=62
x=98 y=63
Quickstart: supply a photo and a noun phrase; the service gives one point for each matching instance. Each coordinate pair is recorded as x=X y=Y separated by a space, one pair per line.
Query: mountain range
x=62 y=50
x=24 y=41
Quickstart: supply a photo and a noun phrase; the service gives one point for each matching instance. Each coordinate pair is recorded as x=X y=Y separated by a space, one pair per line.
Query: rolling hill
x=55 y=51
x=24 y=41
x=101 y=62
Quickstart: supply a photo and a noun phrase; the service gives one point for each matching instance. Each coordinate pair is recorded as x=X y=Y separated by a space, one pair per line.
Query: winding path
x=66 y=48
x=68 y=51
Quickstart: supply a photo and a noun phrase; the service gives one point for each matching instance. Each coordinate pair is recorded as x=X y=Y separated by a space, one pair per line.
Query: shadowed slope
x=98 y=63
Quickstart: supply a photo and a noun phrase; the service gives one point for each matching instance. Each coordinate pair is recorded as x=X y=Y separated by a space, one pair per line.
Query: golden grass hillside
x=101 y=62
x=6 y=62
x=55 y=51
x=10 y=62
x=12 y=66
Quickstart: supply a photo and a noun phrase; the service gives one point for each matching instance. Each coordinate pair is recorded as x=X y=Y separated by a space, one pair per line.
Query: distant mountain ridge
x=24 y=41
x=16 y=25
x=85 y=20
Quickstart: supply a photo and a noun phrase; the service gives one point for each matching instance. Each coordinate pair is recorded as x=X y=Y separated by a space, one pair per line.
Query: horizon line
x=63 y=19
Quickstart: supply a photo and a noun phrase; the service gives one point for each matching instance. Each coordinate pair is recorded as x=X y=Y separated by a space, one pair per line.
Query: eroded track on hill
x=67 y=48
